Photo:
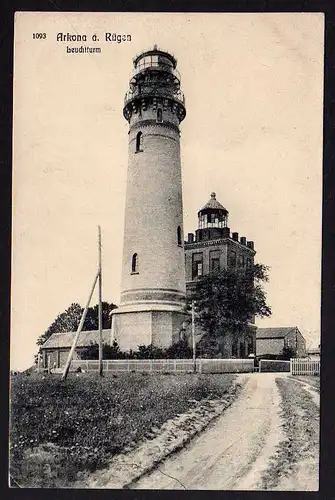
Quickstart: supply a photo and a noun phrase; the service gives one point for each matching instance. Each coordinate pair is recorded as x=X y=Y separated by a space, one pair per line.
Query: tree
x=288 y=353
x=227 y=300
x=92 y=316
x=68 y=320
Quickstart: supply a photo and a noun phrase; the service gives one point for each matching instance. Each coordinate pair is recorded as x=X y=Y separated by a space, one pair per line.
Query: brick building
x=213 y=247
x=271 y=341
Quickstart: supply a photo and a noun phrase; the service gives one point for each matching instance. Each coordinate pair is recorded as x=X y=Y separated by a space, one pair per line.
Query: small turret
x=212 y=220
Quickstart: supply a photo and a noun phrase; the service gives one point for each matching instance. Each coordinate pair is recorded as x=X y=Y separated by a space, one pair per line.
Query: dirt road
x=235 y=452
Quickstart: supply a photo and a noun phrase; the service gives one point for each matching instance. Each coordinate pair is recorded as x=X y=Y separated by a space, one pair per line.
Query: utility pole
x=100 y=305
x=193 y=338
x=80 y=327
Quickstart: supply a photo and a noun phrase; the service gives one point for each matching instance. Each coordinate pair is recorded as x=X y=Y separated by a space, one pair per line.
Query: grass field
x=60 y=428
x=309 y=379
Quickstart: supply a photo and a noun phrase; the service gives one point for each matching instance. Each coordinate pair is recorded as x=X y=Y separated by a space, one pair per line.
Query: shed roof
x=274 y=333
x=64 y=340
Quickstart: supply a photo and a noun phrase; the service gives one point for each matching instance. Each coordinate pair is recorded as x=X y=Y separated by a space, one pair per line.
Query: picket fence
x=173 y=366
x=305 y=366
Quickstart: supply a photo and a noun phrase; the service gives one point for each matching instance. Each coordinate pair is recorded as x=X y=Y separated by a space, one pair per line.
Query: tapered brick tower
x=153 y=269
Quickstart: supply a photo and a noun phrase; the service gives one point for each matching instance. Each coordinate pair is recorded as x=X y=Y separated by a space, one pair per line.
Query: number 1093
x=39 y=35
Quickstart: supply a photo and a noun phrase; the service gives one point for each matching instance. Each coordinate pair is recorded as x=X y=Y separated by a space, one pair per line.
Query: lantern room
x=212 y=220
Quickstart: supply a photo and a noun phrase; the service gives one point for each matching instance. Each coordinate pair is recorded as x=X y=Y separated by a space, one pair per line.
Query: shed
x=271 y=341
x=56 y=349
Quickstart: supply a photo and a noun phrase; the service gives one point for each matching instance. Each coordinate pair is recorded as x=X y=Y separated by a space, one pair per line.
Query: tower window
x=139 y=142
x=134 y=263
x=214 y=261
x=159 y=118
x=215 y=265
x=197 y=265
x=179 y=235
x=241 y=261
x=232 y=259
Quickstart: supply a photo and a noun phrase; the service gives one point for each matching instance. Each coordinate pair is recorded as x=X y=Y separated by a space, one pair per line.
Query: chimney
x=243 y=240
x=225 y=232
x=250 y=244
x=190 y=238
x=235 y=236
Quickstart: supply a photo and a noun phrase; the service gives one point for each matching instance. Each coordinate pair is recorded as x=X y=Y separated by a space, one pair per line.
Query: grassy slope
x=77 y=424
x=312 y=380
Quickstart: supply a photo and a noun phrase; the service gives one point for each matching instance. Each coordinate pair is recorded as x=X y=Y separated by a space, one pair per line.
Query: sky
x=253 y=134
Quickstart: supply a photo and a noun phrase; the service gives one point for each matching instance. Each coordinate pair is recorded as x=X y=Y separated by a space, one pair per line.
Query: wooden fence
x=305 y=366
x=173 y=366
x=274 y=365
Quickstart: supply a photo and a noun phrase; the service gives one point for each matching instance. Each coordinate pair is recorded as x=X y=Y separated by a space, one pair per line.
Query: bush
x=274 y=366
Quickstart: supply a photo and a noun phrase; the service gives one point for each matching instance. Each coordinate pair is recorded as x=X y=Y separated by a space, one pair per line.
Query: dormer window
x=139 y=142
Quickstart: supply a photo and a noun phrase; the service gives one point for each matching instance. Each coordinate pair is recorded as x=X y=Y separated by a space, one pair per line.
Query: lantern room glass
x=212 y=220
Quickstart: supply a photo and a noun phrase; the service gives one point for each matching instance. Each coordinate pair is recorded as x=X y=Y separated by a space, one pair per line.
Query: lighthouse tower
x=153 y=270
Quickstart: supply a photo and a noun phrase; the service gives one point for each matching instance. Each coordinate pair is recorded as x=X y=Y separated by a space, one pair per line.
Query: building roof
x=313 y=350
x=213 y=204
x=64 y=340
x=274 y=333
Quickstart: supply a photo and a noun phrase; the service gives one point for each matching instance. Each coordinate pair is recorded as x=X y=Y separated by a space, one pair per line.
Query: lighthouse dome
x=213 y=204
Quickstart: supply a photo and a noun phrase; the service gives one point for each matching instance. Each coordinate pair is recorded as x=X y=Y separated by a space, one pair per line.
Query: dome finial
x=213 y=195
x=155 y=46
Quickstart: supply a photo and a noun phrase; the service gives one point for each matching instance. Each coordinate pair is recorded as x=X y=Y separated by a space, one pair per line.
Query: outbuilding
x=56 y=349
x=272 y=341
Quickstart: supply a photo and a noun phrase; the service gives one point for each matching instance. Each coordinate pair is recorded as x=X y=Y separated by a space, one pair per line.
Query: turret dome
x=213 y=204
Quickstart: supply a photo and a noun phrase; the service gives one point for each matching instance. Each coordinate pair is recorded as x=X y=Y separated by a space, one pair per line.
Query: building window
x=215 y=265
x=214 y=261
x=249 y=263
x=197 y=266
x=139 y=142
x=179 y=235
x=241 y=261
x=159 y=118
x=134 y=263
x=232 y=259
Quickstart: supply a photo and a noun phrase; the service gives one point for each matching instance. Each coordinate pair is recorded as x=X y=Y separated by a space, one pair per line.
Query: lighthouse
x=153 y=268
